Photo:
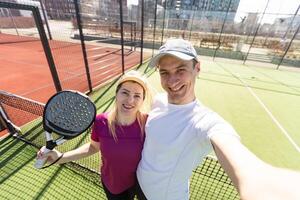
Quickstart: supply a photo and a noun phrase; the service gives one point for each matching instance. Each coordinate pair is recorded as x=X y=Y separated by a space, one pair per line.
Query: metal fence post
x=83 y=48
x=142 y=33
x=163 y=25
x=287 y=49
x=13 y=21
x=287 y=30
x=122 y=36
x=219 y=39
x=46 y=46
x=46 y=20
x=193 y=16
x=155 y=15
x=256 y=31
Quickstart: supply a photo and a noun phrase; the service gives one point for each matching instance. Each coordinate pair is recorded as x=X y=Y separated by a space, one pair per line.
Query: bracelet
x=54 y=161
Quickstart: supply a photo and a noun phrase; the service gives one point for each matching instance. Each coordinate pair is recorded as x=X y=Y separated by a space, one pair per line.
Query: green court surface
x=262 y=104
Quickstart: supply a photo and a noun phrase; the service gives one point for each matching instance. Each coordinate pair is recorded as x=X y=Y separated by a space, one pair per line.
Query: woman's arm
x=76 y=154
x=81 y=152
x=253 y=178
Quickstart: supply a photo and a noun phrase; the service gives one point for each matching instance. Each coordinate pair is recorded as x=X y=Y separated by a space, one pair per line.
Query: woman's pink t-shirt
x=119 y=159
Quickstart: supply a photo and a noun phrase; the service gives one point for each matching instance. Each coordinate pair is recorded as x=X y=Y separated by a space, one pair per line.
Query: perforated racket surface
x=68 y=114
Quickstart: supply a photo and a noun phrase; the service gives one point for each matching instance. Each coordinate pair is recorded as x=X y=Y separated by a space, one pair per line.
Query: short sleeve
x=98 y=125
x=94 y=135
x=212 y=124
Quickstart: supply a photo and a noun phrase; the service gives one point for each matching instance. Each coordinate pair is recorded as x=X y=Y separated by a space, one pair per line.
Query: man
x=180 y=132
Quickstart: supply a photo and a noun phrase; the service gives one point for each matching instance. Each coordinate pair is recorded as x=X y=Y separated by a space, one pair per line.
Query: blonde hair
x=141 y=115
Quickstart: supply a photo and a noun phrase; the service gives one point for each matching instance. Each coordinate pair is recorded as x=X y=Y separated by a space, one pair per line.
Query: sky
x=282 y=7
x=274 y=6
x=134 y=2
x=254 y=5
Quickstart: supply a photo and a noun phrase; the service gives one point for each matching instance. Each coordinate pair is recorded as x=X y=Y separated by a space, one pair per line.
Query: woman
x=119 y=136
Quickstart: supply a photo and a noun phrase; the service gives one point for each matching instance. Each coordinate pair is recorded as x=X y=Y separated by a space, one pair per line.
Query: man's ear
x=197 y=67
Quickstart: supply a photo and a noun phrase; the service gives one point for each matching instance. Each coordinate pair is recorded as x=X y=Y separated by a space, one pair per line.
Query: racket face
x=69 y=113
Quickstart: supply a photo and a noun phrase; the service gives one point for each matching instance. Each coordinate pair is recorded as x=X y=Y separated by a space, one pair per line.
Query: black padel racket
x=68 y=114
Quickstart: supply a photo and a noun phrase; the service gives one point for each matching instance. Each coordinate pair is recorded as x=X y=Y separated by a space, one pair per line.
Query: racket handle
x=39 y=163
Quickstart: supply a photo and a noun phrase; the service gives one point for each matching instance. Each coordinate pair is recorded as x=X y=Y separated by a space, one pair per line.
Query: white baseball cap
x=179 y=48
x=134 y=76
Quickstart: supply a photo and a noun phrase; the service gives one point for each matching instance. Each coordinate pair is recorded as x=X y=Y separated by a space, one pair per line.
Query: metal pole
x=134 y=35
x=193 y=16
x=291 y=22
x=163 y=25
x=131 y=36
x=13 y=21
x=6 y=123
x=131 y=33
x=46 y=46
x=219 y=39
x=270 y=31
x=3 y=121
x=142 y=33
x=202 y=11
x=288 y=46
x=46 y=20
x=155 y=15
x=249 y=33
x=256 y=31
x=77 y=11
x=122 y=36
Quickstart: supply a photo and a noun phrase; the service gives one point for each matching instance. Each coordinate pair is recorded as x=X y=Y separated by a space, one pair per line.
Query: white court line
x=271 y=115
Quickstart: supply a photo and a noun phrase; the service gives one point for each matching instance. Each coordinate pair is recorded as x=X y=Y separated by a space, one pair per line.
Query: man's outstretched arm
x=253 y=178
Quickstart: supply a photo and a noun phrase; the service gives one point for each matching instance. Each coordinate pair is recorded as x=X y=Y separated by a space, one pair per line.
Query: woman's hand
x=51 y=156
x=76 y=154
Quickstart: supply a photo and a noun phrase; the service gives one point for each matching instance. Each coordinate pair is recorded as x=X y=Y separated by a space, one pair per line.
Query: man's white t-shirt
x=177 y=140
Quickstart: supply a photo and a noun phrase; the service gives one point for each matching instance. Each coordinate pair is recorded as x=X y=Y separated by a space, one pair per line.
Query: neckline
x=187 y=105
x=127 y=125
